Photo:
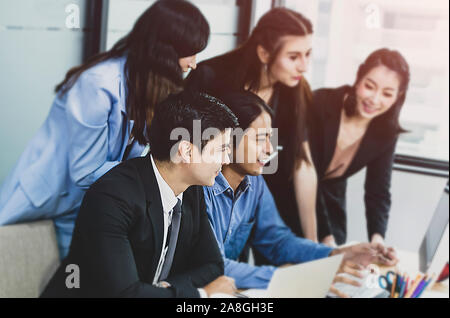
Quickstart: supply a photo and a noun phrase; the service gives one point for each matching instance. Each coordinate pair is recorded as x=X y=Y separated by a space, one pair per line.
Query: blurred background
x=41 y=39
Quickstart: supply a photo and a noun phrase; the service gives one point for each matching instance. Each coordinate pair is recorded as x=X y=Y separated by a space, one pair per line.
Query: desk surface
x=409 y=262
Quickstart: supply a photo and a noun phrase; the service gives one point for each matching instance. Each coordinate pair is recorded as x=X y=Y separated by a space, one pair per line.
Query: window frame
x=421 y=165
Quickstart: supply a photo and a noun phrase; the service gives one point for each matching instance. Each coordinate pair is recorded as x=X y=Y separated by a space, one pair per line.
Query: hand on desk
x=385 y=255
x=388 y=252
x=357 y=258
x=368 y=253
x=351 y=268
x=222 y=285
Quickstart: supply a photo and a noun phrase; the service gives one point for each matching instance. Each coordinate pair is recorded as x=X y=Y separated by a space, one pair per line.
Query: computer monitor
x=433 y=252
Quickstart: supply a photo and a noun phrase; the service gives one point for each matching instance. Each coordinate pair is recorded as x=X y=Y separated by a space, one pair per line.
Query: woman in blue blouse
x=101 y=115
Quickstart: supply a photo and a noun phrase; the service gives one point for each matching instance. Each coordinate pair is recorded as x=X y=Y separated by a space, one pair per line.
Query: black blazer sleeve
x=206 y=263
x=323 y=225
x=108 y=259
x=377 y=192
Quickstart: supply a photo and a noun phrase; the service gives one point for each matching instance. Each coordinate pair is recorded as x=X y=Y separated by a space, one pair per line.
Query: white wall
x=414 y=199
x=36 y=50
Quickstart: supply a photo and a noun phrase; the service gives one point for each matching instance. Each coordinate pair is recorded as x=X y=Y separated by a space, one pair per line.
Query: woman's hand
x=368 y=253
x=388 y=252
x=377 y=239
x=353 y=278
x=329 y=240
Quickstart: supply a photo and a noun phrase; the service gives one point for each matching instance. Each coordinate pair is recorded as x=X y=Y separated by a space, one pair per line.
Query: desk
x=409 y=262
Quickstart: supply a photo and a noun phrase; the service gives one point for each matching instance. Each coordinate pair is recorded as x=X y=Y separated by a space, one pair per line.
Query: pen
x=399 y=286
x=419 y=287
x=414 y=286
x=410 y=285
x=425 y=286
x=403 y=288
x=394 y=284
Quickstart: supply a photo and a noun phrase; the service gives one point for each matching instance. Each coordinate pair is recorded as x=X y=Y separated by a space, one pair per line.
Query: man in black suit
x=142 y=229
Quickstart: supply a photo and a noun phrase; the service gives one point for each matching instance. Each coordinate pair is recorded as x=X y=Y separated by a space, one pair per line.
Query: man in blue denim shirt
x=241 y=208
x=234 y=214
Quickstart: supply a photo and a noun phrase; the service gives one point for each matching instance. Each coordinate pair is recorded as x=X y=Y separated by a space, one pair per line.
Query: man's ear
x=263 y=54
x=185 y=151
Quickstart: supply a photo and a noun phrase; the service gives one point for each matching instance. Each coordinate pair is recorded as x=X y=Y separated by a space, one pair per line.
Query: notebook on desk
x=306 y=280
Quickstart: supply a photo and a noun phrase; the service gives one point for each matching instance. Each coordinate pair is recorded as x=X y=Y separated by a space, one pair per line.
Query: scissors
x=386 y=281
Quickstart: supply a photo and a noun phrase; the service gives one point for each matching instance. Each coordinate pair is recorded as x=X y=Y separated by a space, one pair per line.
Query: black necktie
x=172 y=237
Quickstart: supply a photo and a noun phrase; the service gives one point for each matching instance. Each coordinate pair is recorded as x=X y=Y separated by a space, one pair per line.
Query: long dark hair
x=246 y=106
x=164 y=33
x=241 y=68
x=389 y=122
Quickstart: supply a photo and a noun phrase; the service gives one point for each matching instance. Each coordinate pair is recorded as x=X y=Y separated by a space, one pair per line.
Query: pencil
x=420 y=287
x=394 y=285
x=399 y=286
x=402 y=289
x=414 y=286
x=428 y=283
x=406 y=286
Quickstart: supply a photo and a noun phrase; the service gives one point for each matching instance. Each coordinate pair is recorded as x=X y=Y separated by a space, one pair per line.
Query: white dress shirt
x=168 y=200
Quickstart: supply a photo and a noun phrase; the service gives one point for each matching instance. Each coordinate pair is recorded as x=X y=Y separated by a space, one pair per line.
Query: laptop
x=307 y=280
x=433 y=252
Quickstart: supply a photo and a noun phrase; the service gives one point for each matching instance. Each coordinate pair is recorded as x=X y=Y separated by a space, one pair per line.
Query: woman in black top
x=271 y=64
x=353 y=127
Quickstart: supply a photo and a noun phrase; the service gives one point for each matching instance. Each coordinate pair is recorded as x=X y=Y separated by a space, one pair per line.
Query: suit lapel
x=371 y=145
x=156 y=216
x=155 y=211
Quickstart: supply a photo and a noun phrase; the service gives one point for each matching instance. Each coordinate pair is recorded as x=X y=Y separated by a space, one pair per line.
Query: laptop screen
x=434 y=233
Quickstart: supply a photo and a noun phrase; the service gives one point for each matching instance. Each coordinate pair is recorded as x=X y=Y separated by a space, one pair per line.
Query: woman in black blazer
x=353 y=127
x=270 y=64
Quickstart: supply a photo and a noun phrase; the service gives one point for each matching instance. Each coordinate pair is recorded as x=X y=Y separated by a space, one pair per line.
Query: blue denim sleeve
x=248 y=276
x=275 y=240
x=245 y=275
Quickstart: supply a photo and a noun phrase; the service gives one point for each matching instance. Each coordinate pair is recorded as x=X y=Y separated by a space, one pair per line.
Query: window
x=346 y=32
x=224 y=17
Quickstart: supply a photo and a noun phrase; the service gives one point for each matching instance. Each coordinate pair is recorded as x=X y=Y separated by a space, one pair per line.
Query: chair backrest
x=28 y=258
